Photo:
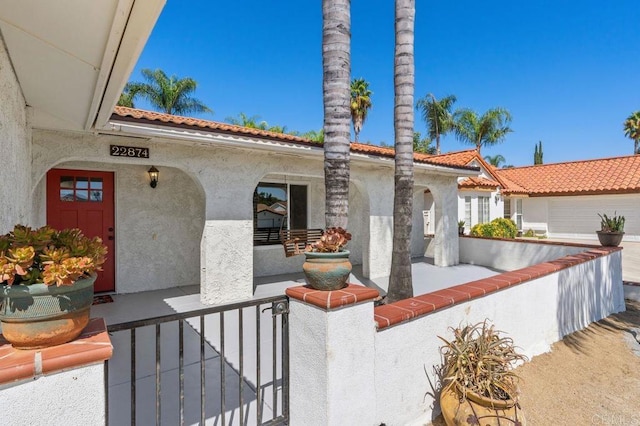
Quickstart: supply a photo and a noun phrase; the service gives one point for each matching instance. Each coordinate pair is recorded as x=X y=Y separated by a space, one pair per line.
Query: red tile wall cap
x=329 y=300
x=91 y=347
x=406 y=310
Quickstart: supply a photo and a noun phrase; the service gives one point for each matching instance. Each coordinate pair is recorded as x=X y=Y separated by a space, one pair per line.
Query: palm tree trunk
x=336 y=67
x=400 y=282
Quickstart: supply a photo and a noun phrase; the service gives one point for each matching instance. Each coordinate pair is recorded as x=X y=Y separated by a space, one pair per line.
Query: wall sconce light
x=153 y=175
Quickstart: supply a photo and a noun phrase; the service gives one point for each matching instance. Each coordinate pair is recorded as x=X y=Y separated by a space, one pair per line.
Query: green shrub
x=530 y=233
x=497 y=228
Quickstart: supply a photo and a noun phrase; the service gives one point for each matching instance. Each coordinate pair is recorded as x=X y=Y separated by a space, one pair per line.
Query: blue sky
x=566 y=70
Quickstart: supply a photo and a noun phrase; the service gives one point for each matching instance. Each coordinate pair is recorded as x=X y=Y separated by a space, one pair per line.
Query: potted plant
x=46 y=279
x=611 y=230
x=327 y=265
x=479 y=384
x=461 y=227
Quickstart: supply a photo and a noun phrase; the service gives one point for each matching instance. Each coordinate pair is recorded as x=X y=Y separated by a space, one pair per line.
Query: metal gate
x=223 y=365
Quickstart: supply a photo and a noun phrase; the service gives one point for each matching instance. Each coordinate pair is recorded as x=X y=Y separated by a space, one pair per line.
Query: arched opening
x=156 y=232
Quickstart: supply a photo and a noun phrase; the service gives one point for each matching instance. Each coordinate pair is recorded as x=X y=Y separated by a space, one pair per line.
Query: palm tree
x=632 y=130
x=244 y=120
x=421 y=145
x=336 y=70
x=437 y=115
x=171 y=95
x=360 y=103
x=495 y=160
x=400 y=281
x=126 y=97
x=314 y=136
x=489 y=129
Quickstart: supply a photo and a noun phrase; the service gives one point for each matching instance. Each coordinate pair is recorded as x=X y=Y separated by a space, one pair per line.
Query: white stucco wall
x=74 y=397
x=328 y=361
x=158 y=230
x=535 y=314
x=15 y=149
x=511 y=255
x=225 y=178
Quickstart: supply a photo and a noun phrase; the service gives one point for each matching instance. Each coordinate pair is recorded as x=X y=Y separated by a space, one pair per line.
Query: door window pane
x=96 y=183
x=95 y=196
x=66 y=195
x=82 y=195
x=66 y=182
x=82 y=183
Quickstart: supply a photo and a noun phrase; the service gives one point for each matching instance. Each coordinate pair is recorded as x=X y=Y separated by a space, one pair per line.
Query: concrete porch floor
x=135 y=306
x=130 y=307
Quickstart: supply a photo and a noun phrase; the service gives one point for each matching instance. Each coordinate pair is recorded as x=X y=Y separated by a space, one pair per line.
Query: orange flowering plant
x=45 y=255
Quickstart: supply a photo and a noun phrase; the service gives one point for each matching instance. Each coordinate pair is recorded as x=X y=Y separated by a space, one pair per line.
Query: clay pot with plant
x=327 y=265
x=479 y=386
x=46 y=279
x=611 y=230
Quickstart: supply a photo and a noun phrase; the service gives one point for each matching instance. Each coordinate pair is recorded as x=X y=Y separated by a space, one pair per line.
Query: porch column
x=376 y=256
x=446 y=247
x=332 y=356
x=226 y=248
x=61 y=385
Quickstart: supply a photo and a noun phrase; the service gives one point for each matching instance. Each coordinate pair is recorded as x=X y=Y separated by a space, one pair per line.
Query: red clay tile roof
x=478 y=183
x=132 y=114
x=588 y=177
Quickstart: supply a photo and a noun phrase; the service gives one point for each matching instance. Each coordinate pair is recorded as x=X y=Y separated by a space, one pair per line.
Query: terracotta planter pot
x=38 y=316
x=610 y=239
x=327 y=271
x=478 y=410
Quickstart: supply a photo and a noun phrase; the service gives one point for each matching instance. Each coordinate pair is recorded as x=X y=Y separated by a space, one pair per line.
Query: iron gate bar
x=158 y=372
x=181 y=368
x=258 y=383
x=203 y=411
x=223 y=377
x=133 y=376
x=241 y=375
x=278 y=308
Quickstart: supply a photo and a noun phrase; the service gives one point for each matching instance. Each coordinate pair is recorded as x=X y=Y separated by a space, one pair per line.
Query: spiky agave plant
x=611 y=224
x=478 y=359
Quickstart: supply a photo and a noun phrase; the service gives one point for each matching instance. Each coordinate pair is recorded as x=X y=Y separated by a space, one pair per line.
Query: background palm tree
x=126 y=98
x=437 y=115
x=495 y=160
x=336 y=70
x=400 y=280
x=421 y=145
x=360 y=103
x=632 y=130
x=488 y=129
x=171 y=95
x=252 y=122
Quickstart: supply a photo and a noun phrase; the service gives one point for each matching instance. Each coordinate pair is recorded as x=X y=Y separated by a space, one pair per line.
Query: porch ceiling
x=73 y=57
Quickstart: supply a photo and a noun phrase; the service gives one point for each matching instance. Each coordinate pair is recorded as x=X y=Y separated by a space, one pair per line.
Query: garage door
x=579 y=215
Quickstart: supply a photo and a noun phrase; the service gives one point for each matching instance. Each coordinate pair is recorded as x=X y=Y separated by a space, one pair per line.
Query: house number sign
x=128 y=151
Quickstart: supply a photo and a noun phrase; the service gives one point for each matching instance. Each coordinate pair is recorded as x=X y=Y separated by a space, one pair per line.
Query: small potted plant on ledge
x=461 y=227
x=327 y=265
x=479 y=386
x=46 y=279
x=611 y=230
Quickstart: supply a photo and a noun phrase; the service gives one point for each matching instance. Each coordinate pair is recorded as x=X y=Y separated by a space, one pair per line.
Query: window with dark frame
x=276 y=207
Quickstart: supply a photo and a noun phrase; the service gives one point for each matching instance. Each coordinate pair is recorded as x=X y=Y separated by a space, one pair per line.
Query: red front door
x=84 y=199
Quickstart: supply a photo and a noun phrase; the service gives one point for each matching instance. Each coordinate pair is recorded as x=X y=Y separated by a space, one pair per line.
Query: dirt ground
x=591 y=377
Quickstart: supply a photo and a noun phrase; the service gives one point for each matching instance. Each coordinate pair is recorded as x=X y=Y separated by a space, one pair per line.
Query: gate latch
x=278 y=308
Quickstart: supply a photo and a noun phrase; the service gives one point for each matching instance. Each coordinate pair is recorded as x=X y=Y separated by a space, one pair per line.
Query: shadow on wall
x=580 y=304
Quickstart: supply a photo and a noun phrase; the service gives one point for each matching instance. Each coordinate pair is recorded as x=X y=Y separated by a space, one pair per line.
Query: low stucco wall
x=535 y=314
x=507 y=255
